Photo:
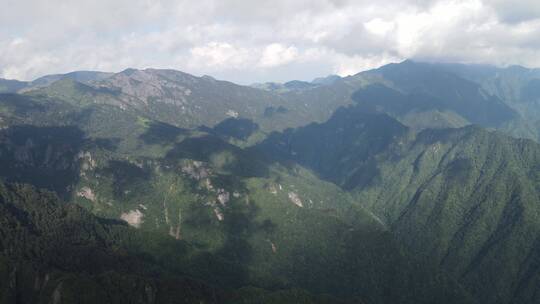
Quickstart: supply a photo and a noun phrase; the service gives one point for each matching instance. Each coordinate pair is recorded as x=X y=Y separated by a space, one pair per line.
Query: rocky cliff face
x=185 y=100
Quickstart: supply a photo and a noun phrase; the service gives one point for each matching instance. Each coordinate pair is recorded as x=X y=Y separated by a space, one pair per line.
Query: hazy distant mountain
x=517 y=86
x=326 y=80
x=188 y=101
x=11 y=86
x=79 y=76
x=434 y=88
x=423 y=95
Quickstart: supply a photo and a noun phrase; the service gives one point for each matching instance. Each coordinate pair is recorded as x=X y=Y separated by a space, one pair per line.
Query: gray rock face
x=185 y=100
x=87 y=193
x=223 y=197
x=133 y=218
x=148 y=85
x=295 y=199
x=197 y=170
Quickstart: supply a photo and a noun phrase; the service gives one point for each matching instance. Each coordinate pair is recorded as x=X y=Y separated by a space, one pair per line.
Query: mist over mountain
x=410 y=183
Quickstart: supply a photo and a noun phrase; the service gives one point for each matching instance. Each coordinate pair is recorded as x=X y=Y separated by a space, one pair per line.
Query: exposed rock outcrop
x=223 y=197
x=133 y=218
x=87 y=193
x=295 y=199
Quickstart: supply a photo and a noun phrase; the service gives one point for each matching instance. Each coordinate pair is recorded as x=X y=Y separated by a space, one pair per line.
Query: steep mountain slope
x=467 y=200
x=248 y=221
x=514 y=84
x=85 y=77
x=464 y=199
x=336 y=148
x=187 y=101
x=436 y=88
x=517 y=86
x=427 y=96
x=283 y=189
x=416 y=110
x=11 y=86
x=420 y=95
x=51 y=252
x=59 y=253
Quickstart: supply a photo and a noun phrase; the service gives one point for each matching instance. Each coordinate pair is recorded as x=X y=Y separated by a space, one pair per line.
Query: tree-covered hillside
x=54 y=252
x=465 y=200
x=156 y=186
x=245 y=220
x=11 y=86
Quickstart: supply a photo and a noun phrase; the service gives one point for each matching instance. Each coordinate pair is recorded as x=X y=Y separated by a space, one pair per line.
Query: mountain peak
x=408 y=61
x=128 y=71
x=330 y=79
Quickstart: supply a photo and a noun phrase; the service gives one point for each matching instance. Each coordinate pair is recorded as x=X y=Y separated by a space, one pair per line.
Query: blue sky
x=254 y=41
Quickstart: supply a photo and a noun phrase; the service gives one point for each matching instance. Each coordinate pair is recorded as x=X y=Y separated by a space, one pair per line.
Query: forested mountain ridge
x=60 y=253
x=516 y=86
x=465 y=199
x=379 y=181
x=249 y=221
x=420 y=95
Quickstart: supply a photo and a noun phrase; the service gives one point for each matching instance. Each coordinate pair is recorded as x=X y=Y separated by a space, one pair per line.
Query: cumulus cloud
x=253 y=41
x=379 y=27
x=277 y=54
x=219 y=55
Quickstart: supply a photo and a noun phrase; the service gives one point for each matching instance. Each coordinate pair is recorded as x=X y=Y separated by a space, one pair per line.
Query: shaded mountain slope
x=53 y=252
x=420 y=95
x=247 y=222
x=517 y=86
x=11 y=86
x=464 y=199
x=432 y=95
x=337 y=148
x=445 y=90
x=416 y=110
x=346 y=197
x=426 y=96
x=85 y=77
x=57 y=252
x=187 y=101
x=467 y=200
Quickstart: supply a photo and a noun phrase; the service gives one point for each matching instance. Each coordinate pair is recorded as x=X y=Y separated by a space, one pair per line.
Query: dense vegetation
x=464 y=199
x=58 y=252
x=246 y=221
x=155 y=186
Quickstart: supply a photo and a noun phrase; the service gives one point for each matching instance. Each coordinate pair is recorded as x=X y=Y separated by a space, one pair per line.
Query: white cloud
x=277 y=54
x=218 y=54
x=379 y=27
x=253 y=41
x=350 y=65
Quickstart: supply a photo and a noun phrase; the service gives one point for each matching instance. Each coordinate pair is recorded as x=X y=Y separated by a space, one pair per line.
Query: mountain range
x=411 y=183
